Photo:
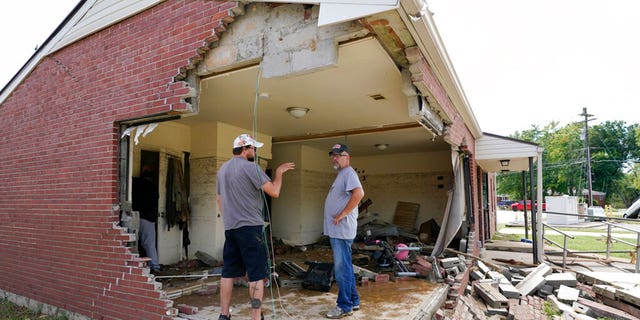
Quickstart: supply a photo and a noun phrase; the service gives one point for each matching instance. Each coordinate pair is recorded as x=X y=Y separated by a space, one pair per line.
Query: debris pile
x=526 y=293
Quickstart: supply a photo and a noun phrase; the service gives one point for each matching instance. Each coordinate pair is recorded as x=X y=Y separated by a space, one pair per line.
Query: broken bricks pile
x=514 y=293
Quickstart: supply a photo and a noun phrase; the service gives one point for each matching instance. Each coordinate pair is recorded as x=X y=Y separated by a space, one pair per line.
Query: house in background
x=122 y=84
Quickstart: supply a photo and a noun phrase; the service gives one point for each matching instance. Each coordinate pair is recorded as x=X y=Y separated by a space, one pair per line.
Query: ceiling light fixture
x=382 y=146
x=505 y=162
x=297 y=112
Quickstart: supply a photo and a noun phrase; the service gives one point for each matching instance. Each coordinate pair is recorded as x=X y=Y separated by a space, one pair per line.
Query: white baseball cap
x=244 y=140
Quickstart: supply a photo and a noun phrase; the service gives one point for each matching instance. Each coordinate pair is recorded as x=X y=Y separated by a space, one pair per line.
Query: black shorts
x=245 y=253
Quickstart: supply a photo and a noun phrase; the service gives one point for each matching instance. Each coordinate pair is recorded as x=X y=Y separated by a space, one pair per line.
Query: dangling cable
x=266 y=212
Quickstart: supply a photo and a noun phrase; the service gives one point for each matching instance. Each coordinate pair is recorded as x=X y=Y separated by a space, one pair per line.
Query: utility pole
x=586 y=142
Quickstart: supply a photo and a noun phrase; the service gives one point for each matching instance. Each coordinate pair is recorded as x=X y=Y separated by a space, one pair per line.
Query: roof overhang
x=495 y=153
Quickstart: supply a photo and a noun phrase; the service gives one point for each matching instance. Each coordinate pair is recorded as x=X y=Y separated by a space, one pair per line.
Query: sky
x=526 y=62
x=520 y=62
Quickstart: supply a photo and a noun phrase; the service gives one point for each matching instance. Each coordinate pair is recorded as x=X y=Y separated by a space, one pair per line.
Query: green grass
x=596 y=230
x=590 y=243
x=550 y=310
x=579 y=243
x=11 y=311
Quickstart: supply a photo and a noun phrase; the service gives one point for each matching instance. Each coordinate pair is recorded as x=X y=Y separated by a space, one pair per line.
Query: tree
x=613 y=145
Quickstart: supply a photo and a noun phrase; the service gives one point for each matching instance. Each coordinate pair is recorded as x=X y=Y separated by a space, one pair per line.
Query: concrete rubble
x=521 y=293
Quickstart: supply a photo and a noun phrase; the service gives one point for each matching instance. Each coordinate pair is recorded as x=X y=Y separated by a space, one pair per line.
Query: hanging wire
x=271 y=257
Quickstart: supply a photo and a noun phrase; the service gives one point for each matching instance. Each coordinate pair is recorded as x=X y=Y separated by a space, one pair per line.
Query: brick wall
x=60 y=242
x=457 y=133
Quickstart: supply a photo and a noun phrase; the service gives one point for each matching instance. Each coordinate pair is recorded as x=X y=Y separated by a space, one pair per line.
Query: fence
x=609 y=239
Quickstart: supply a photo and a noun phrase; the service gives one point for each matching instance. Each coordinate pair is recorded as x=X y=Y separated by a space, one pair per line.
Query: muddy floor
x=399 y=298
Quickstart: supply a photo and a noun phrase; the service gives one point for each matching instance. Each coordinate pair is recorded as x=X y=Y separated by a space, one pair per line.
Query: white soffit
x=335 y=11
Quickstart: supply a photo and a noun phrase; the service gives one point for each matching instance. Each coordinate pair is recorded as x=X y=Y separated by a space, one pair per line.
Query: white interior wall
x=297 y=214
x=422 y=178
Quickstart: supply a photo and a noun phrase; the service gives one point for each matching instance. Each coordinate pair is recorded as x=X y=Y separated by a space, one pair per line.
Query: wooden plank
x=406 y=214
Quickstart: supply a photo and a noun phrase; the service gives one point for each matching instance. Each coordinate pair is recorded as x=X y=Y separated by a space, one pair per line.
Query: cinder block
x=557 y=279
x=568 y=294
x=453 y=271
x=449 y=262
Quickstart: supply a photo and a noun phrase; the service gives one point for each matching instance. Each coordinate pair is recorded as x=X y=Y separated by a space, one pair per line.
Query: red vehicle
x=519 y=206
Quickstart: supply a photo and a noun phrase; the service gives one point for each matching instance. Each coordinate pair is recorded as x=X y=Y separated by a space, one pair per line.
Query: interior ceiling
x=341 y=108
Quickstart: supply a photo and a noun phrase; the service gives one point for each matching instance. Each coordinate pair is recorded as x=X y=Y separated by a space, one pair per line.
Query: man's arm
x=272 y=188
x=356 y=195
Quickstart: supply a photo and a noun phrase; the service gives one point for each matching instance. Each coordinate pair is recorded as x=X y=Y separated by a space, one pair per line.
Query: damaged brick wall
x=60 y=242
x=457 y=134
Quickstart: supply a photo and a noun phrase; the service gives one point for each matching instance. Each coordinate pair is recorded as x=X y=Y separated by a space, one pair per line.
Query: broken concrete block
x=491 y=296
x=599 y=310
x=497 y=311
x=495 y=275
x=476 y=275
x=545 y=290
x=568 y=294
x=604 y=290
x=534 y=280
x=449 y=262
x=559 y=305
x=581 y=308
x=483 y=267
x=509 y=291
x=453 y=271
x=557 y=279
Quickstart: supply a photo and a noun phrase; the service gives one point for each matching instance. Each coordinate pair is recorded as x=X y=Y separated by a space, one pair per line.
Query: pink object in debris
x=403 y=254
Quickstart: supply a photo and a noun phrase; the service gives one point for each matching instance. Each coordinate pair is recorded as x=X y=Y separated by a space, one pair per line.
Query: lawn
x=11 y=311
x=581 y=243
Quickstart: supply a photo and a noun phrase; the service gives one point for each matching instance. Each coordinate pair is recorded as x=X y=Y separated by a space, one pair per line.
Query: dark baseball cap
x=338 y=148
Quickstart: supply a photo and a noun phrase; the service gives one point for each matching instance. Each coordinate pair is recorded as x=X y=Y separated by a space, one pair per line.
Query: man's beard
x=251 y=159
x=336 y=166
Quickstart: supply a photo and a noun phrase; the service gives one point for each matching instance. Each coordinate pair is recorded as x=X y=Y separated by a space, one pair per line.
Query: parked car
x=633 y=211
x=519 y=206
x=504 y=204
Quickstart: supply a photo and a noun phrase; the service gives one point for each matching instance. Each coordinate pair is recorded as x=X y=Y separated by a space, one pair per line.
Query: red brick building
x=121 y=84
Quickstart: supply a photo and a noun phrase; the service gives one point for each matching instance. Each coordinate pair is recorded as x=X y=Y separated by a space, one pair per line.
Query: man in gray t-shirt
x=340 y=224
x=240 y=183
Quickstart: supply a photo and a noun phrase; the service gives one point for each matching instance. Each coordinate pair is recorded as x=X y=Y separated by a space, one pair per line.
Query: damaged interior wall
x=422 y=178
x=210 y=145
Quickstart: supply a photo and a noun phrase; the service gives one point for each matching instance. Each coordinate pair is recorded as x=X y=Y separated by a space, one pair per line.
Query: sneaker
x=337 y=313
x=356 y=307
x=223 y=317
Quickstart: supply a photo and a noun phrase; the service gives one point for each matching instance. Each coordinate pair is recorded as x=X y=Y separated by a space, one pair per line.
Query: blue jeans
x=343 y=269
x=148 y=242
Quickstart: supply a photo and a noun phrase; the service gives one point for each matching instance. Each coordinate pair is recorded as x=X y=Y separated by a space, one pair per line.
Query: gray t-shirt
x=337 y=199
x=239 y=186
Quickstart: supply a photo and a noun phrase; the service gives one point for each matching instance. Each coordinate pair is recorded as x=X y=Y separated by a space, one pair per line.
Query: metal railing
x=609 y=239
